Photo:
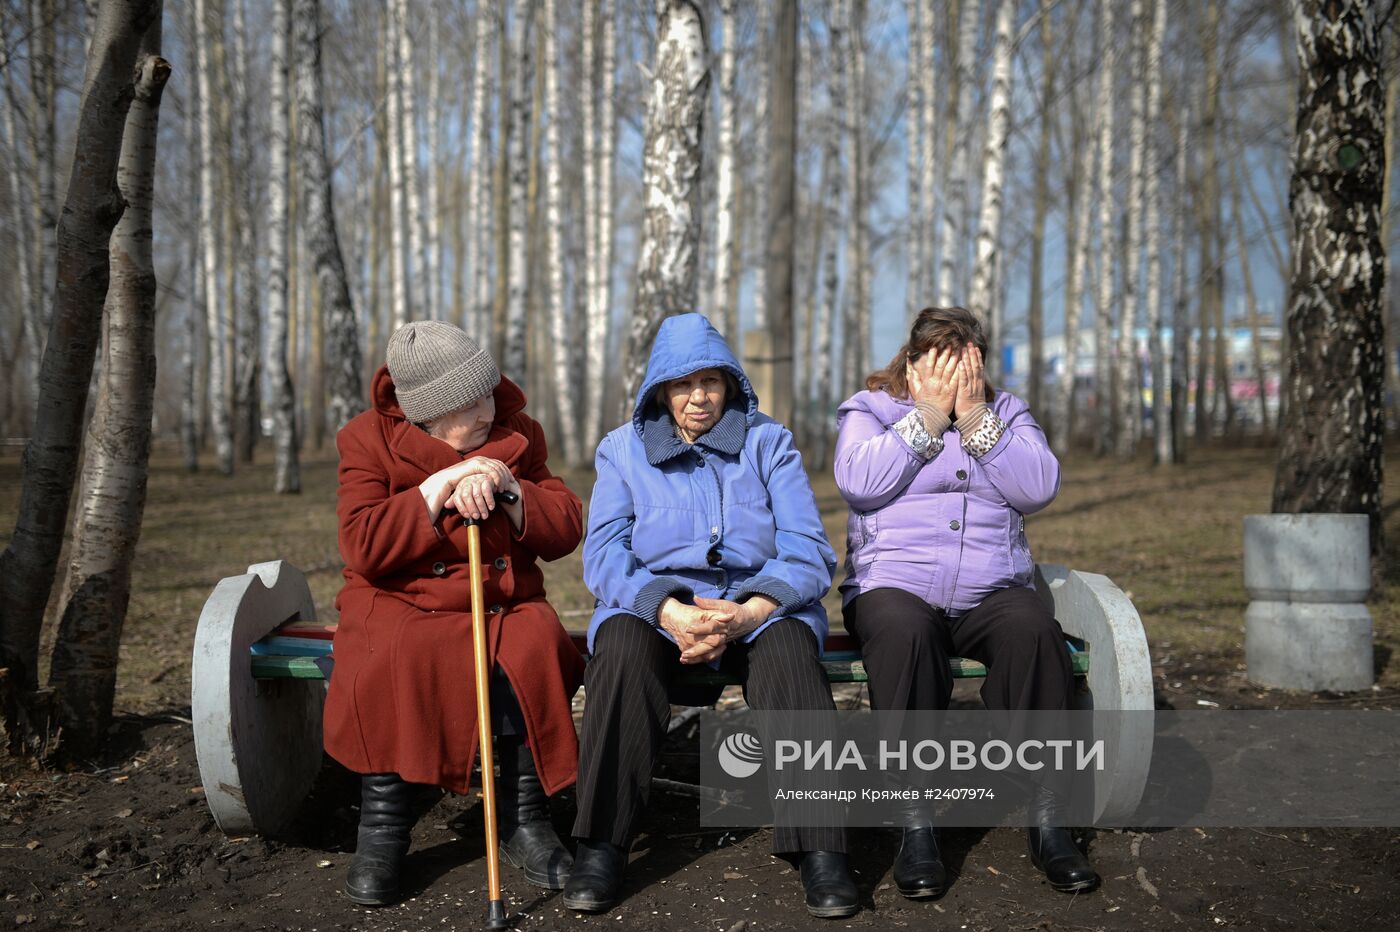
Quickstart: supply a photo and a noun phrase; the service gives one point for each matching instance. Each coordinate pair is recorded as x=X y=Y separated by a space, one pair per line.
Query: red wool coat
x=402 y=696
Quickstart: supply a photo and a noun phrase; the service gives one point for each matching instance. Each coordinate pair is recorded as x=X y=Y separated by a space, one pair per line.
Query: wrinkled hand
x=971 y=383
x=468 y=487
x=745 y=616
x=699 y=632
x=933 y=379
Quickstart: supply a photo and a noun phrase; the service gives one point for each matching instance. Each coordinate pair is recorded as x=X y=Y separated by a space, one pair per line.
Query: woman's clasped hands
x=703 y=630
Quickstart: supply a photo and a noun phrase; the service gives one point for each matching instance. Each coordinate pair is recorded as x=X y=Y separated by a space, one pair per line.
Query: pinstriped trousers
x=628 y=705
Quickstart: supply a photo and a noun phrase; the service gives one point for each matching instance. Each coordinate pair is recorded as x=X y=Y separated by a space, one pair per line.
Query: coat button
x=713 y=557
x=954 y=525
x=439 y=568
x=500 y=563
x=699 y=459
x=962 y=473
x=714 y=538
x=495 y=609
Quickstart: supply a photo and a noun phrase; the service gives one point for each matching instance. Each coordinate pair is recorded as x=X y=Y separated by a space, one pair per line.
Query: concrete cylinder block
x=1301 y=645
x=1307 y=557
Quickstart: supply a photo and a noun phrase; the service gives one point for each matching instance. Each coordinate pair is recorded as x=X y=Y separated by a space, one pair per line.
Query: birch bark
x=83 y=673
x=671 y=160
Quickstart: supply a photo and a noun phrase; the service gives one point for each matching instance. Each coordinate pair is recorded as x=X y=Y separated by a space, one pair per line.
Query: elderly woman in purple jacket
x=940 y=470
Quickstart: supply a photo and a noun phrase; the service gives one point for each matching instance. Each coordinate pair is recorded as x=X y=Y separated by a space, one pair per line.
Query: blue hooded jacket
x=660 y=506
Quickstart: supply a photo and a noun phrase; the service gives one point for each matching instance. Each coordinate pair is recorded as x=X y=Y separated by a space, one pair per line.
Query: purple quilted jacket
x=949 y=529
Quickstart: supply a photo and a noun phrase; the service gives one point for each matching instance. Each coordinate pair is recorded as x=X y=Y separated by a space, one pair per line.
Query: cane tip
x=496 y=915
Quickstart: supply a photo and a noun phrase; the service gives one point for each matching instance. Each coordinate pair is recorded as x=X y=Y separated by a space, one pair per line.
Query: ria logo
x=741 y=755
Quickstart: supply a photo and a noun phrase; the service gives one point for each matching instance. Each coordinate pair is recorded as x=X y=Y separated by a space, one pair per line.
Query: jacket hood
x=687 y=343
x=510 y=399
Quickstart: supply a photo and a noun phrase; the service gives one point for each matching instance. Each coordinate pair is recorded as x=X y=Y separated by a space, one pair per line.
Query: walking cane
x=496 y=907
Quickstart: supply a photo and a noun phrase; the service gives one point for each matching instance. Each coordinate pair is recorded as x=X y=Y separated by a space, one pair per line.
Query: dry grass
x=1171 y=537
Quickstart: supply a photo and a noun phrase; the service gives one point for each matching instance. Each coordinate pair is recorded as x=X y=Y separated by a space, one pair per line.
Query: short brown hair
x=934 y=330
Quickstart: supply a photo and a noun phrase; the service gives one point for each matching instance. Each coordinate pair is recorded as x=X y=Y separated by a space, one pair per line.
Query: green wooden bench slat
x=266 y=667
x=841 y=667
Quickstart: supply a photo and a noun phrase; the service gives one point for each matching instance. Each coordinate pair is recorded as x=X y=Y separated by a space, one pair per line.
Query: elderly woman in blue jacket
x=704 y=546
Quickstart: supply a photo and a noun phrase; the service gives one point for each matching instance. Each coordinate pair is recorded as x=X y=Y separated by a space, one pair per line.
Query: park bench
x=261 y=661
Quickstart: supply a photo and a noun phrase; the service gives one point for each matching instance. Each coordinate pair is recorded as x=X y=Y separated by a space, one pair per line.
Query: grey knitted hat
x=437 y=368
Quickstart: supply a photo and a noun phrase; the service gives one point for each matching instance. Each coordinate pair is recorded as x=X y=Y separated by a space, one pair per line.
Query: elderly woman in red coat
x=447 y=432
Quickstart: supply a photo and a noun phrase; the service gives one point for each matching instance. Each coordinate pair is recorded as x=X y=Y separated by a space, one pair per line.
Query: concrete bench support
x=258 y=741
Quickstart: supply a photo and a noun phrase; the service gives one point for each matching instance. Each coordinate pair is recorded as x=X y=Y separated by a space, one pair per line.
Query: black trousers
x=906 y=643
x=628 y=706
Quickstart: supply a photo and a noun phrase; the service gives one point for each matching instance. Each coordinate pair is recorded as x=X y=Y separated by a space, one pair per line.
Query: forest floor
x=127 y=842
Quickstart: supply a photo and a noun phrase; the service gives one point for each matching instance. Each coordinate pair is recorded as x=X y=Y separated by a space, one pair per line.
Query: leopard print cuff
x=981 y=441
x=911 y=428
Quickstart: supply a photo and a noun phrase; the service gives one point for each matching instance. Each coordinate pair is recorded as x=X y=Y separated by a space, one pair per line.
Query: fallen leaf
x=733 y=875
x=993 y=870
x=197 y=790
x=122 y=779
x=125 y=813
x=23 y=918
x=33 y=844
x=323 y=863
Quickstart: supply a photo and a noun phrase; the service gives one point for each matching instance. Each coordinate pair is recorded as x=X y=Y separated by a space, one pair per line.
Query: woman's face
x=696 y=401
x=466 y=428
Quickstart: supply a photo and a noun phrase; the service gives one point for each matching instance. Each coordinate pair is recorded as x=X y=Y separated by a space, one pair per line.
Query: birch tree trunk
x=1127 y=415
x=1103 y=317
x=1156 y=351
x=418 y=266
x=190 y=407
x=1181 y=322
x=763 y=15
x=219 y=402
x=832 y=202
x=1040 y=200
x=91 y=209
x=247 y=371
x=600 y=247
x=560 y=305
x=32 y=315
x=43 y=83
x=518 y=168
x=344 y=396
x=399 y=274
x=282 y=398
x=854 y=326
x=479 y=212
x=1330 y=455
x=955 y=199
x=675 y=120
x=1080 y=234
x=1388 y=311
x=781 y=173
x=432 y=219
x=726 y=244
x=83 y=673
x=982 y=301
x=933 y=164
x=1209 y=187
x=914 y=154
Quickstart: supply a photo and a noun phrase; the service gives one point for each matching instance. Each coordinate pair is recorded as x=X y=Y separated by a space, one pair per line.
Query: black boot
x=527 y=835
x=386 y=826
x=918 y=868
x=826 y=879
x=1052 y=848
x=596 y=879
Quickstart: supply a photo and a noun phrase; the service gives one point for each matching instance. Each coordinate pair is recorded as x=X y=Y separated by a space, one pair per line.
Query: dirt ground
x=128 y=843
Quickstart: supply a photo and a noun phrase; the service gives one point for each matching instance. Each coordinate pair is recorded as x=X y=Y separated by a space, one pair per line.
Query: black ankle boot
x=1052 y=848
x=386 y=827
x=826 y=879
x=596 y=879
x=918 y=868
x=528 y=839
